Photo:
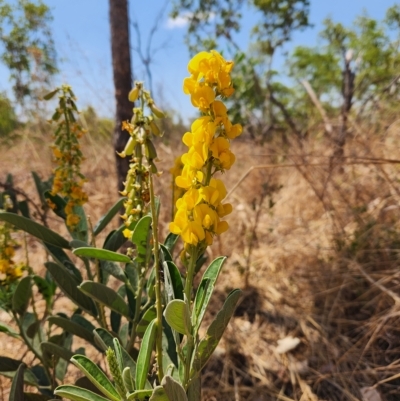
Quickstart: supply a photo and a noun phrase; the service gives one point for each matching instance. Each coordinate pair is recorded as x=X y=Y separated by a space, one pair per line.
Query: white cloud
x=179 y=22
x=182 y=20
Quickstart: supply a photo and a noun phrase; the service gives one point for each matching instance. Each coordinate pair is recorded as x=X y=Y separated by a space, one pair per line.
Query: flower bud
x=154 y=128
x=150 y=150
x=130 y=145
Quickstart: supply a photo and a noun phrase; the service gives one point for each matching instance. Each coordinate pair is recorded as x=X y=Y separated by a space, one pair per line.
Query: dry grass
x=316 y=251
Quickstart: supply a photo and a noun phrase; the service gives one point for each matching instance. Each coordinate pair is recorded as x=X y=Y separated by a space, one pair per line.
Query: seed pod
x=150 y=150
x=154 y=128
x=133 y=94
x=157 y=112
x=130 y=145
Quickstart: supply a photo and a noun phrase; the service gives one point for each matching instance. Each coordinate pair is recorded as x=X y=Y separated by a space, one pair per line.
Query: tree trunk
x=121 y=60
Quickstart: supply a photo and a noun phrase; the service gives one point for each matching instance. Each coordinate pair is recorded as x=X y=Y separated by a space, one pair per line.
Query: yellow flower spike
x=202 y=97
x=72 y=220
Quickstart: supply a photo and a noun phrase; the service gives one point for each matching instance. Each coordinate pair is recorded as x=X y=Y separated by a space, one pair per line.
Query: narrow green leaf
x=115 y=239
x=81 y=230
x=62 y=258
x=77 y=243
x=96 y=376
x=141 y=237
x=56 y=350
x=140 y=395
x=103 y=254
x=173 y=280
x=171 y=241
x=29 y=378
x=8 y=364
x=146 y=319
x=4 y=328
x=37 y=397
x=62 y=363
x=128 y=380
x=23 y=207
x=17 y=385
x=72 y=327
x=41 y=186
x=214 y=333
x=69 y=285
x=51 y=94
x=143 y=360
x=35 y=229
x=22 y=295
x=194 y=390
x=165 y=255
x=176 y=316
x=106 y=296
x=106 y=218
x=173 y=389
x=205 y=290
x=77 y=394
x=58 y=202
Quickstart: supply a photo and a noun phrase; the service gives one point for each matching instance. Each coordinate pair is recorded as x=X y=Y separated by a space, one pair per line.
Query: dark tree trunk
x=121 y=60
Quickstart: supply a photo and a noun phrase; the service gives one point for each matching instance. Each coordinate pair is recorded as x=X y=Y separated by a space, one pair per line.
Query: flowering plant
x=149 y=327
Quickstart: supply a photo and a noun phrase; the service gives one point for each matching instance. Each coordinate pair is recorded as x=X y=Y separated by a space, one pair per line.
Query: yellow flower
x=9 y=252
x=4 y=265
x=221 y=152
x=127 y=233
x=72 y=220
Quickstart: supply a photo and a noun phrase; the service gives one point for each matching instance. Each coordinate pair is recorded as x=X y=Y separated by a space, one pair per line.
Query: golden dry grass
x=316 y=251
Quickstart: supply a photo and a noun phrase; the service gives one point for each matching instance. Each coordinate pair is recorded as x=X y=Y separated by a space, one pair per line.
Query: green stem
x=156 y=248
x=135 y=321
x=188 y=294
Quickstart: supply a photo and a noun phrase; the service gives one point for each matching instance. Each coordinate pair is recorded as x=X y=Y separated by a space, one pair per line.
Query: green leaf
x=17 y=386
x=141 y=238
x=4 y=328
x=128 y=380
x=171 y=241
x=173 y=280
x=194 y=390
x=146 y=319
x=56 y=350
x=106 y=296
x=51 y=94
x=214 y=333
x=106 y=218
x=41 y=186
x=62 y=363
x=58 y=202
x=103 y=254
x=72 y=327
x=143 y=360
x=36 y=397
x=114 y=269
x=8 y=364
x=46 y=288
x=35 y=229
x=85 y=383
x=62 y=258
x=140 y=395
x=173 y=389
x=23 y=207
x=115 y=239
x=69 y=285
x=205 y=290
x=77 y=394
x=96 y=376
x=29 y=377
x=22 y=295
x=176 y=315
x=166 y=256
x=77 y=243
x=159 y=394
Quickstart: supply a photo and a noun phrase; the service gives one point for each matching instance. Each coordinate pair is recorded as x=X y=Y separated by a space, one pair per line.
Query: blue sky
x=82 y=38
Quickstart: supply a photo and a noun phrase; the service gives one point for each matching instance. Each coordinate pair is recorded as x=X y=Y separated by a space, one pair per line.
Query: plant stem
x=156 y=249
x=188 y=295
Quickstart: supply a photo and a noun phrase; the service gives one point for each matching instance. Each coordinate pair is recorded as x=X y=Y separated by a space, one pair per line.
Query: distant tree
x=8 y=119
x=121 y=61
x=353 y=67
x=26 y=46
